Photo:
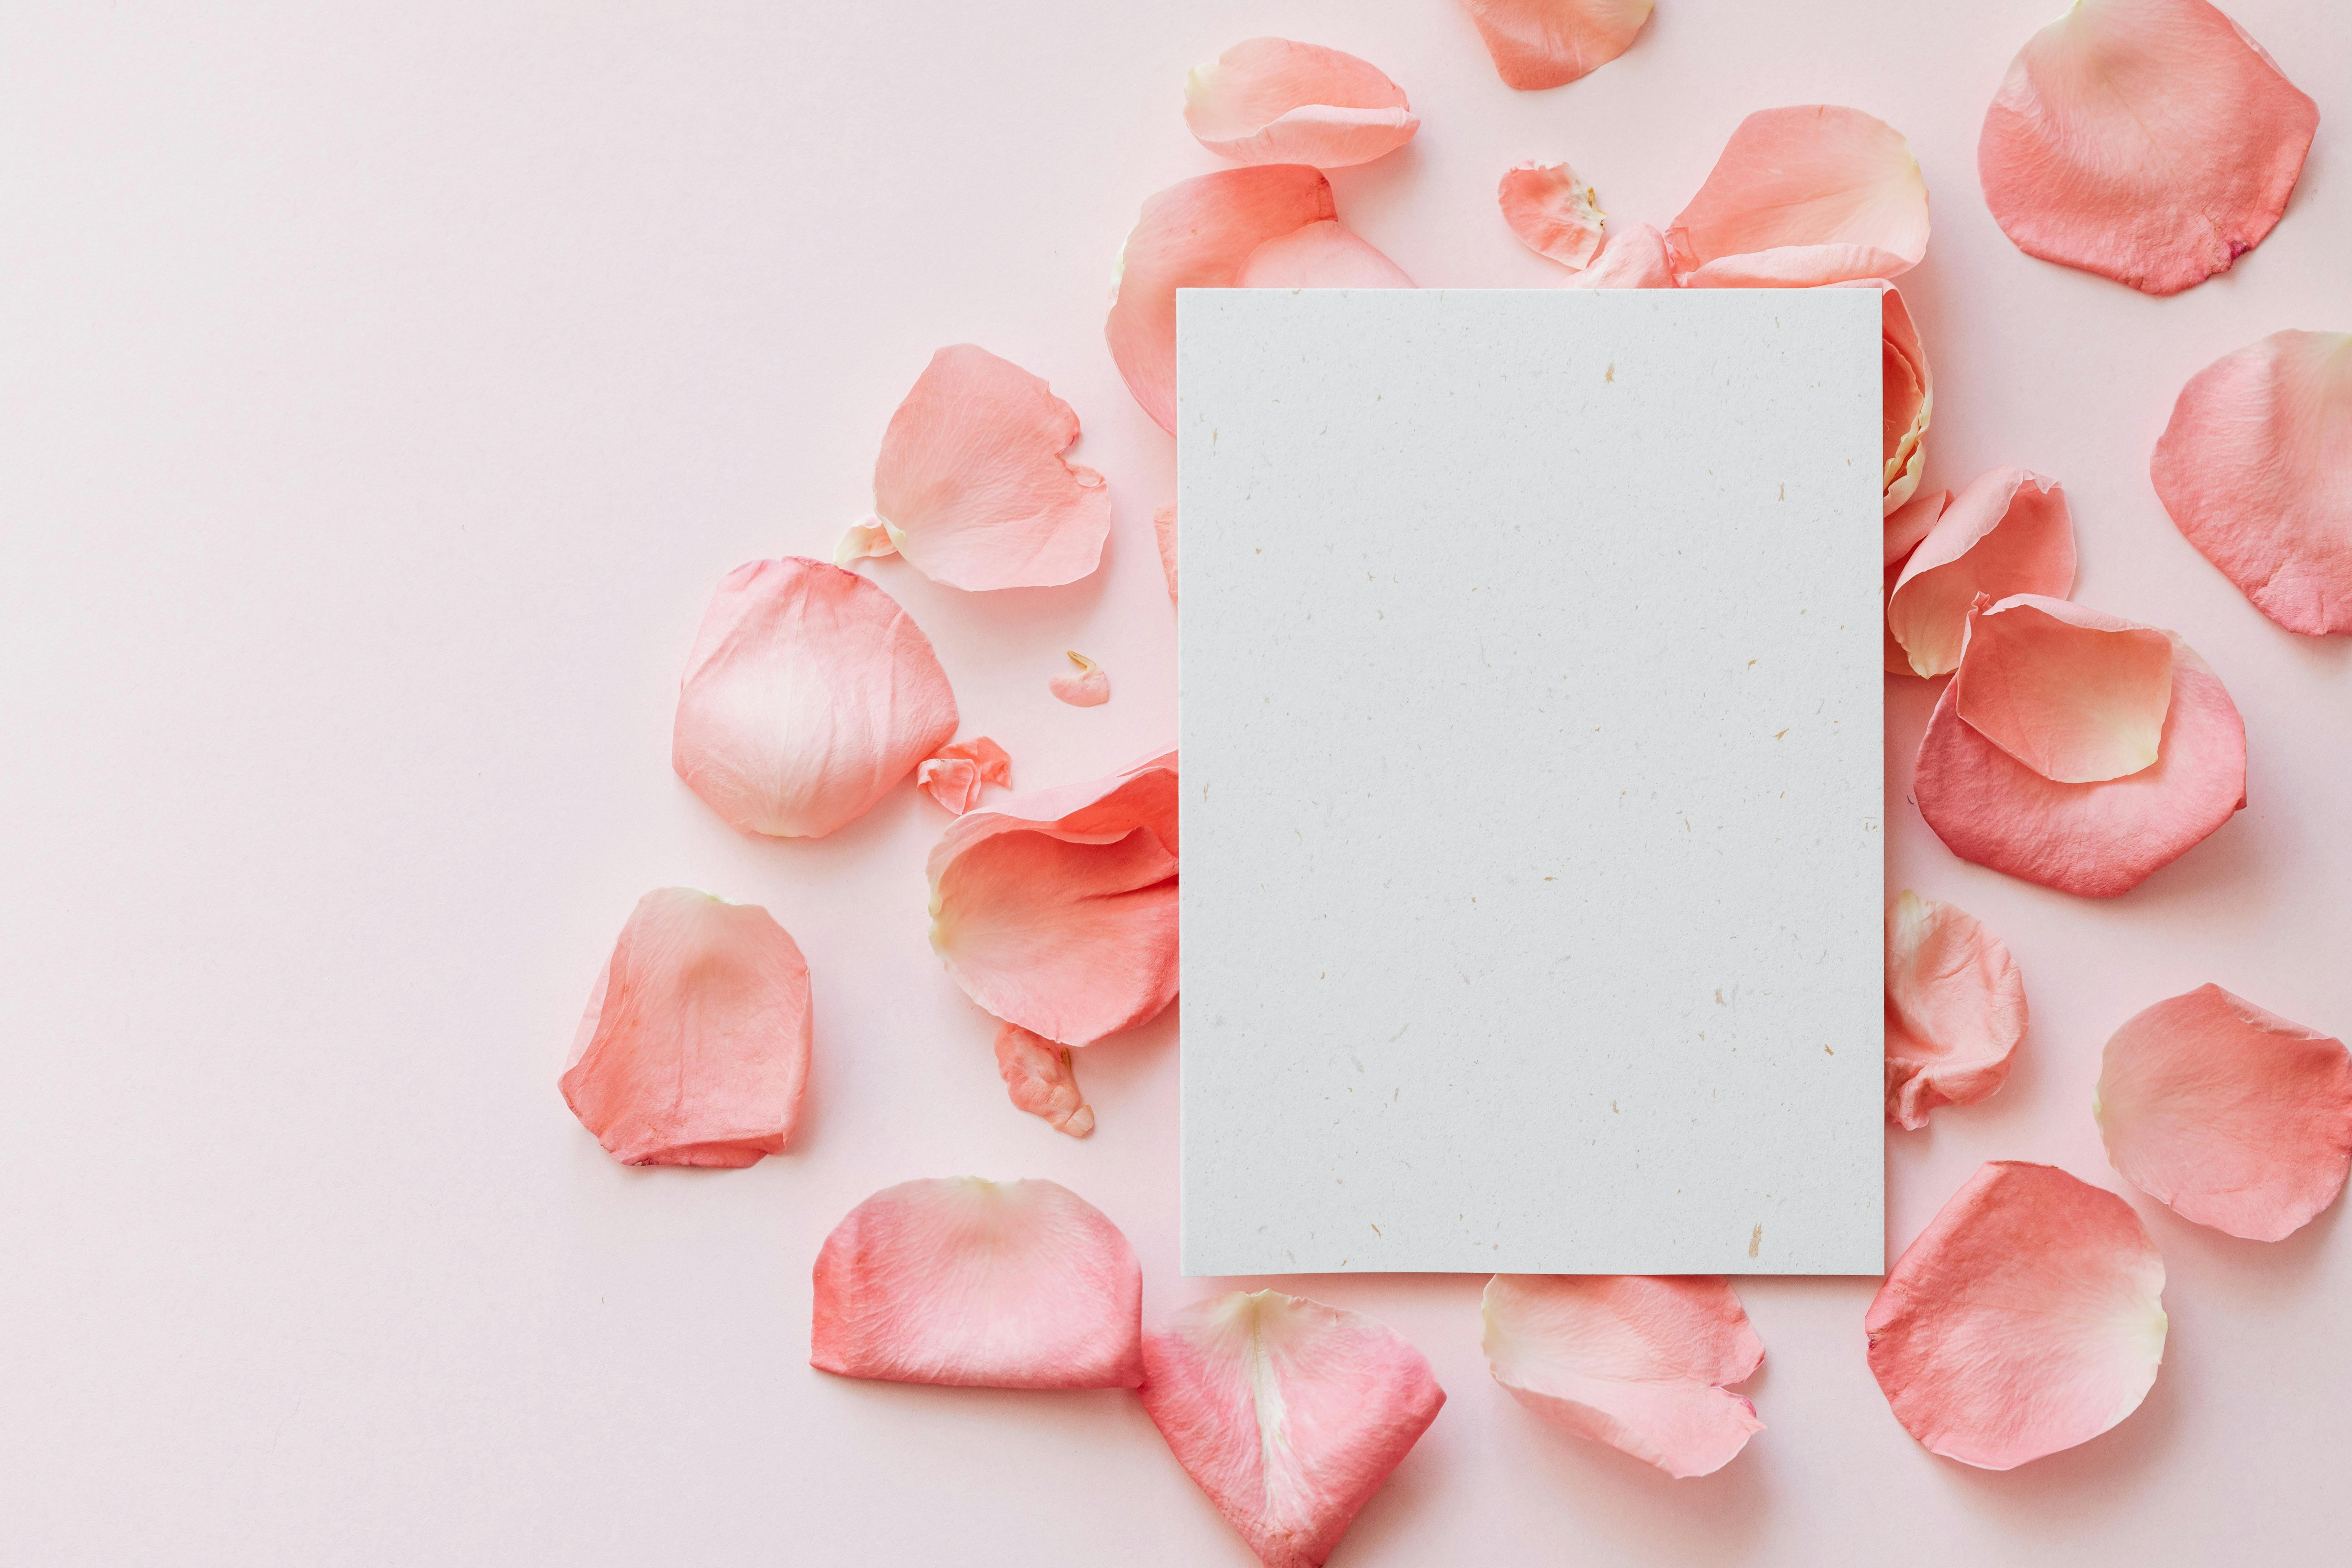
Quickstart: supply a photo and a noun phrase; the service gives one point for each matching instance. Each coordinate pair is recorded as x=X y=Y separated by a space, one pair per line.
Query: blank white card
x=1530 y=674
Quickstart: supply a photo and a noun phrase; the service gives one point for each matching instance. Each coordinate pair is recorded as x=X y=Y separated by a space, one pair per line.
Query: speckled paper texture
x=1531 y=723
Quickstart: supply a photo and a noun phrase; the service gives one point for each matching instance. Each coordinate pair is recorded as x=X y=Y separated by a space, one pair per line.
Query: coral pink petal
x=2235 y=1117
x=1907 y=393
x=1811 y=194
x=1086 y=687
x=1269 y=100
x=998 y=1284
x=1163 y=529
x=1038 y=1076
x=1633 y=256
x=2076 y=696
x=1637 y=1362
x=2256 y=470
x=955 y=775
x=1910 y=523
x=1057 y=910
x=808 y=695
x=1196 y=234
x=1289 y=1413
x=1955 y=1009
x=1552 y=212
x=1320 y=255
x=2026 y=1318
x=695 y=1046
x=1546 y=43
x=970 y=485
x=2150 y=141
x=2008 y=533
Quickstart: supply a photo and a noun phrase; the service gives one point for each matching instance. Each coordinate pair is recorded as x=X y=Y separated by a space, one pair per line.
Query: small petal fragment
x=987 y=1284
x=955 y=775
x=1088 y=688
x=1320 y=255
x=2026 y=1318
x=1633 y=256
x=1816 y=194
x=868 y=539
x=1907 y=394
x=2256 y=470
x=1163 y=529
x=2076 y=696
x=1638 y=1362
x=1910 y=523
x=2008 y=533
x=2235 y=1117
x=1548 y=43
x=1553 y=212
x=1038 y=1076
x=1289 y=1413
x=808 y=695
x=695 y=1046
x=1269 y=100
x=1056 y=910
x=1196 y=234
x=2148 y=140
x=1955 y=1009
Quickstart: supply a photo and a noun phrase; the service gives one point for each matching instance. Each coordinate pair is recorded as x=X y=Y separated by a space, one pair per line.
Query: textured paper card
x=1530 y=723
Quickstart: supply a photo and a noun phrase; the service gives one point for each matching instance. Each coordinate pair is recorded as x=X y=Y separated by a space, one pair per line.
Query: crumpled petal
x=2149 y=141
x=2094 y=839
x=2235 y=1117
x=1088 y=688
x=1196 y=234
x=955 y=775
x=808 y=695
x=1637 y=1362
x=1631 y=256
x=1814 y=194
x=867 y=539
x=1553 y=212
x=2008 y=533
x=1056 y=910
x=1955 y=1009
x=1163 y=529
x=1320 y=255
x=1905 y=527
x=992 y=1284
x=1289 y=1413
x=1908 y=392
x=695 y=1045
x=1038 y=1076
x=1548 y=43
x=2075 y=695
x=2256 y=470
x=1270 y=100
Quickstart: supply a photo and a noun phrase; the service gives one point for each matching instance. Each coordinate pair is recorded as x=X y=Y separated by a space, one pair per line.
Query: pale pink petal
x=1087 y=687
x=1897 y=661
x=1955 y=1009
x=971 y=485
x=1269 y=100
x=2075 y=695
x=1320 y=255
x=1632 y=257
x=1815 y=194
x=997 y=1284
x=2151 y=141
x=1056 y=910
x=1289 y=1413
x=2095 y=839
x=1910 y=523
x=1546 y=43
x=808 y=695
x=1038 y=1076
x=866 y=539
x=2256 y=470
x=2026 y=1318
x=1553 y=212
x=1195 y=234
x=1907 y=394
x=2008 y=533
x=1638 y=1362
x=2235 y=1117
x=1163 y=529
x=695 y=1045
x=955 y=775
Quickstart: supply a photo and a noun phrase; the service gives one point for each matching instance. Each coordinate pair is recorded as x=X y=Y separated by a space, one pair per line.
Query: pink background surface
x=382 y=389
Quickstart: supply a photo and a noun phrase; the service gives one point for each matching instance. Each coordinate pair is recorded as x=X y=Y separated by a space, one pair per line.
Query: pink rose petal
x=2075 y=695
x=808 y=695
x=1320 y=255
x=1196 y=234
x=1163 y=529
x=1269 y=100
x=1038 y=1076
x=1548 y=43
x=1907 y=395
x=2008 y=533
x=1955 y=1009
x=2025 y=1319
x=695 y=1045
x=1910 y=523
x=2150 y=141
x=1552 y=212
x=994 y=1284
x=1637 y=1362
x=2094 y=839
x=1089 y=686
x=1056 y=910
x=1631 y=256
x=2236 y=1118
x=1815 y=194
x=955 y=775
x=1289 y=1413
x=2256 y=470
